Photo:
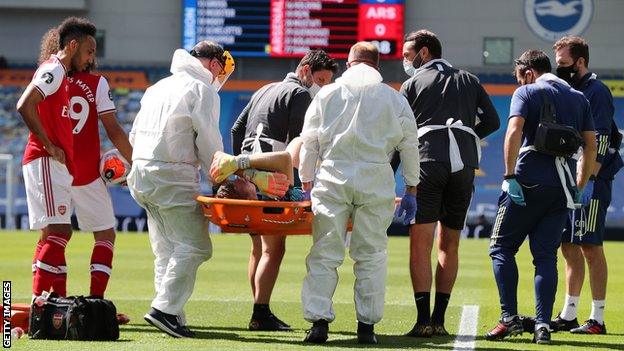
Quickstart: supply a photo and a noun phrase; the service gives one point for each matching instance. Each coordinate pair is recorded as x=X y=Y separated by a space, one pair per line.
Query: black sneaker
x=528 y=323
x=591 y=326
x=168 y=323
x=318 y=333
x=560 y=324
x=421 y=330
x=439 y=330
x=268 y=323
x=505 y=329
x=366 y=333
x=542 y=336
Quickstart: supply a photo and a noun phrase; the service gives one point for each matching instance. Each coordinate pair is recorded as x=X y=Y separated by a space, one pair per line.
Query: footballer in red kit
x=48 y=159
x=90 y=101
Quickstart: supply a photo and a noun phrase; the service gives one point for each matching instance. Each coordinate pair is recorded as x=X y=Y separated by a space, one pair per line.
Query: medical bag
x=552 y=138
x=73 y=318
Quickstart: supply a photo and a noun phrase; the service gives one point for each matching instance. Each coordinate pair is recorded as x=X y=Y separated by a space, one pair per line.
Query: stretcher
x=19 y=315
x=260 y=217
x=257 y=216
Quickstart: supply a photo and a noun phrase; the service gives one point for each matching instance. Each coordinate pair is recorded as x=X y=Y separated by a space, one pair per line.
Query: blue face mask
x=409 y=68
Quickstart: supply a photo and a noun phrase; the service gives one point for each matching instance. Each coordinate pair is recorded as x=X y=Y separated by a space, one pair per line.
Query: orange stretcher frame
x=260 y=217
x=20 y=313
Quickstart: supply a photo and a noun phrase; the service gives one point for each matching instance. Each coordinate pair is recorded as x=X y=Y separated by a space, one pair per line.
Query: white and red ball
x=113 y=167
x=17 y=333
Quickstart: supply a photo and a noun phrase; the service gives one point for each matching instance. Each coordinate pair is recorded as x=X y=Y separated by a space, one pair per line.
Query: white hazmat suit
x=176 y=130
x=351 y=128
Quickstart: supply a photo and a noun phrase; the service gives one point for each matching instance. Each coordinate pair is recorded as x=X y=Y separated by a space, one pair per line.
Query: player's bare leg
x=446 y=274
x=254 y=259
x=448 y=259
x=273 y=248
x=575 y=268
x=575 y=274
x=597 y=266
x=421 y=243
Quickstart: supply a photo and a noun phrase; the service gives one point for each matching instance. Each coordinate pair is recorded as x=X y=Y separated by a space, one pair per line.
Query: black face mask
x=568 y=73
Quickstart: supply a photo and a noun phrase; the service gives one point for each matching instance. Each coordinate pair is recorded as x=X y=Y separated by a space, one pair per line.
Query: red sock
x=37 y=251
x=101 y=266
x=51 y=271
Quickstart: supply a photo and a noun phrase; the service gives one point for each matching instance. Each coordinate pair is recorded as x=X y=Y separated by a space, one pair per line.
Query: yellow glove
x=224 y=165
x=273 y=184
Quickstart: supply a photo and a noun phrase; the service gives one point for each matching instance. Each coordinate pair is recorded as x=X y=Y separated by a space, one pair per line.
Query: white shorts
x=48 y=192
x=93 y=206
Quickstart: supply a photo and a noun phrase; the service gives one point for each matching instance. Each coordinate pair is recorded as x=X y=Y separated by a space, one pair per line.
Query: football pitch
x=221 y=305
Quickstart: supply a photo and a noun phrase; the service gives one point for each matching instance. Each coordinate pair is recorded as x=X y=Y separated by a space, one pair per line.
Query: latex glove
x=270 y=183
x=406 y=212
x=587 y=193
x=307 y=195
x=224 y=165
x=514 y=190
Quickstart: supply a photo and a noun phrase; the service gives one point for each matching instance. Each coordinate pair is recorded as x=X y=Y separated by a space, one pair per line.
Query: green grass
x=220 y=307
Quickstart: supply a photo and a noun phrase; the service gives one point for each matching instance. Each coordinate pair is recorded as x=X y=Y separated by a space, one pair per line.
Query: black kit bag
x=48 y=318
x=74 y=318
x=552 y=138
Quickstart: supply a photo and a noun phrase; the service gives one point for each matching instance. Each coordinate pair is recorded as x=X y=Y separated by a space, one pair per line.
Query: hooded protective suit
x=176 y=130
x=351 y=127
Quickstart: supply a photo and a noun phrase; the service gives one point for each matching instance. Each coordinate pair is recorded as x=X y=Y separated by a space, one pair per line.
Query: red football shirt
x=50 y=80
x=90 y=98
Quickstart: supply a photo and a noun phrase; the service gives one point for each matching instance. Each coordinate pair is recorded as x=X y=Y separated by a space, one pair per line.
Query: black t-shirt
x=438 y=92
x=280 y=107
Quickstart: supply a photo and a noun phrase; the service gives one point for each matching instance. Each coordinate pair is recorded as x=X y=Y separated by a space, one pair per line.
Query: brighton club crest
x=553 y=19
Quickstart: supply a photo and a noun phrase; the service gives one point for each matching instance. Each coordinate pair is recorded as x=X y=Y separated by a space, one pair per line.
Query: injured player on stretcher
x=271 y=172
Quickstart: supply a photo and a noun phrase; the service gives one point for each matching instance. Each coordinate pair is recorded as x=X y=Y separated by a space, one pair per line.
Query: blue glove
x=406 y=212
x=307 y=195
x=588 y=192
x=514 y=190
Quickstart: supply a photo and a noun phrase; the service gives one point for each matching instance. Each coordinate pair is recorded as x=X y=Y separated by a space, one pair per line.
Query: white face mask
x=314 y=89
x=409 y=68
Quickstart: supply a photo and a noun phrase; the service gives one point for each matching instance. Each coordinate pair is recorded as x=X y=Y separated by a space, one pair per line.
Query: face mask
x=568 y=73
x=409 y=68
x=314 y=89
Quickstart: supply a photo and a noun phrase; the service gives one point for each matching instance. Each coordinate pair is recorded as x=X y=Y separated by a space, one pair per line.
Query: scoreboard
x=289 y=28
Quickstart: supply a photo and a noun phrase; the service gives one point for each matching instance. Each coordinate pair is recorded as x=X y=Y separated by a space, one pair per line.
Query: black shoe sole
x=367 y=340
x=315 y=341
x=257 y=326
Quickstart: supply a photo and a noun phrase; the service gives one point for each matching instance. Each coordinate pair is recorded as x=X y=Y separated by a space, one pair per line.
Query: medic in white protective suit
x=176 y=131
x=351 y=128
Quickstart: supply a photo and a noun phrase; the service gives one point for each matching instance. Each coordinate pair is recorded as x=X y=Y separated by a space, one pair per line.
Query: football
x=113 y=167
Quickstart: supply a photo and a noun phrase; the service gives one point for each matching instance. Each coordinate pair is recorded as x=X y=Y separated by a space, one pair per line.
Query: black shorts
x=444 y=196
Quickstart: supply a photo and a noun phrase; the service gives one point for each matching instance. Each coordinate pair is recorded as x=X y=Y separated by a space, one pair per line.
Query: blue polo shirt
x=601 y=102
x=572 y=109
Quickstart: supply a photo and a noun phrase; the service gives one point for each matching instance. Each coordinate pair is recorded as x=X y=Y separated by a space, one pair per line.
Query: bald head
x=364 y=52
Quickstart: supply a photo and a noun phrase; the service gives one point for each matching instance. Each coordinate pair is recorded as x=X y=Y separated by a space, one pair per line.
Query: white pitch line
x=467 y=332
